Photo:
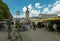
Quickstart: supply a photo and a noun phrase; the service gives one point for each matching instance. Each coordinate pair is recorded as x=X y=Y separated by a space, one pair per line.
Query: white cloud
x=50 y=9
x=24 y=9
x=21 y=16
x=30 y=6
x=50 y=5
x=34 y=13
x=56 y=7
x=16 y=16
x=37 y=5
x=57 y=2
x=46 y=11
x=43 y=5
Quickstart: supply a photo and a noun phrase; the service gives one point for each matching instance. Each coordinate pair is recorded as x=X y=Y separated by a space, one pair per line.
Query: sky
x=36 y=7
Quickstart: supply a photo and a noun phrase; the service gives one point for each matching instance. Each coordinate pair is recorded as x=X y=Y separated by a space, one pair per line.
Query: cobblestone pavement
x=3 y=36
x=40 y=35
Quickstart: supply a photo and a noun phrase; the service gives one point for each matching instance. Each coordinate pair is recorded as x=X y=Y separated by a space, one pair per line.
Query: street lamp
x=18 y=15
x=17 y=18
x=9 y=29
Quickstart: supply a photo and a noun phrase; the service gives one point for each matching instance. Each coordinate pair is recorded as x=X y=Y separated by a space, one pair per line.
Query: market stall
x=54 y=23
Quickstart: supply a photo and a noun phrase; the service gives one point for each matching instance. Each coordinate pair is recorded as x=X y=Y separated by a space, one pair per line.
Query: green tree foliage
x=58 y=16
x=4 y=11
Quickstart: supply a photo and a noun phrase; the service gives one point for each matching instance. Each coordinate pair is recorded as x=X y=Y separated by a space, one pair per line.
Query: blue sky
x=19 y=4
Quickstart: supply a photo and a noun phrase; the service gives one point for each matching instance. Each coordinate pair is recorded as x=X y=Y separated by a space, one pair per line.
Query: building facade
x=45 y=16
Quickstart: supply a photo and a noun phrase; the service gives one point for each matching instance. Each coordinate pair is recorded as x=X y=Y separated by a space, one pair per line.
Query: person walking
x=34 y=26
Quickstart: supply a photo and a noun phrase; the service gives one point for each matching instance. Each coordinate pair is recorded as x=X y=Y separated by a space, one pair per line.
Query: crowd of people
x=33 y=25
x=24 y=26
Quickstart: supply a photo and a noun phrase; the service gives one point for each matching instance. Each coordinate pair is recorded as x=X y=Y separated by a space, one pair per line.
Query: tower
x=18 y=15
x=27 y=17
x=27 y=14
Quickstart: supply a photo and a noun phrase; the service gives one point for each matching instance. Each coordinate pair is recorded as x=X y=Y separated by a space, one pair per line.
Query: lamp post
x=9 y=28
x=18 y=15
x=17 y=18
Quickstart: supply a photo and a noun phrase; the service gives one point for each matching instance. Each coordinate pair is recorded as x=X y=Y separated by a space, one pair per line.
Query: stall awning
x=52 y=19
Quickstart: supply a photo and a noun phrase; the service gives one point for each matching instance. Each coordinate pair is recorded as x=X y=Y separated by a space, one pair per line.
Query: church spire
x=27 y=14
x=27 y=11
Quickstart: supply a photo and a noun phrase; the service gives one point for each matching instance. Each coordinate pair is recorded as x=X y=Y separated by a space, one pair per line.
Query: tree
x=4 y=11
x=58 y=16
x=5 y=14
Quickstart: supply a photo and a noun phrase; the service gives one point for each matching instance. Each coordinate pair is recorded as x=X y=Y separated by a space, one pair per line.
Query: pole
x=9 y=30
x=9 y=27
